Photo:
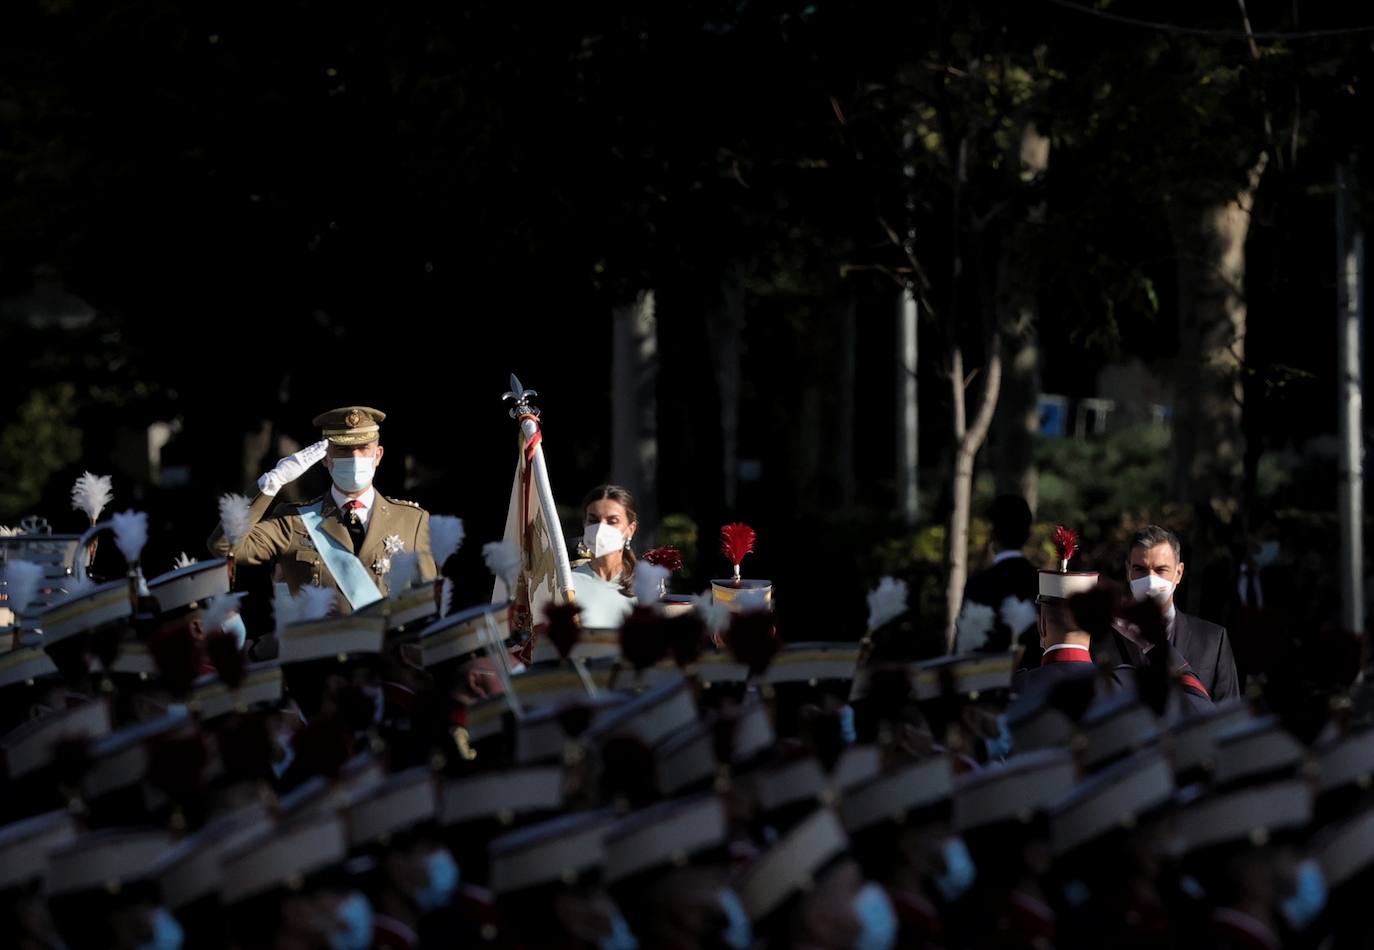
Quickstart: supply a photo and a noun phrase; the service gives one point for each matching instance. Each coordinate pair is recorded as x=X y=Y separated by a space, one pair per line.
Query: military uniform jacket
x=281 y=537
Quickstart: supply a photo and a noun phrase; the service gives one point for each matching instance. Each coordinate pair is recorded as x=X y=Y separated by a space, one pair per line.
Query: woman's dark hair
x=627 y=501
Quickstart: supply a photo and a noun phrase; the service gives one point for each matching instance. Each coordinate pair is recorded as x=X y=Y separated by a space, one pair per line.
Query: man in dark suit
x=1154 y=568
x=1010 y=577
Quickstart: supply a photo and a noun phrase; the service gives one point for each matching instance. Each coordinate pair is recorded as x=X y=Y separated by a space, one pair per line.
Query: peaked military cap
x=351 y=425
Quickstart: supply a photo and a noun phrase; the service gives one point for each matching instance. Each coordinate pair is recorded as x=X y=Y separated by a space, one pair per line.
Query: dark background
x=253 y=212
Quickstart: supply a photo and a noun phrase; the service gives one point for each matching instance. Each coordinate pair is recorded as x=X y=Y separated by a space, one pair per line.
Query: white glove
x=291 y=468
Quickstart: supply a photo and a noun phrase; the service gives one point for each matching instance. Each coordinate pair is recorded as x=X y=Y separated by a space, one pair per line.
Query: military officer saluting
x=343 y=539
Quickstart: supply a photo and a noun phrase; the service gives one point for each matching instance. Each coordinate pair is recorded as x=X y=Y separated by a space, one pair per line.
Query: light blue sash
x=354 y=580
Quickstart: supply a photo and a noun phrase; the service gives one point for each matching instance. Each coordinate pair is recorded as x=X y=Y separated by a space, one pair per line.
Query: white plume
x=972 y=627
x=23 y=579
x=91 y=494
x=446 y=599
x=71 y=586
x=715 y=617
x=886 y=602
x=283 y=607
x=220 y=609
x=131 y=534
x=647 y=579
x=445 y=537
x=183 y=560
x=314 y=603
x=405 y=568
x=503 y=560
x=1018 y=616
x=235 y=518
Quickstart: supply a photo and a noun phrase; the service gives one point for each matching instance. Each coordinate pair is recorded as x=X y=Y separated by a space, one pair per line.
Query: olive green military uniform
x=394 y=526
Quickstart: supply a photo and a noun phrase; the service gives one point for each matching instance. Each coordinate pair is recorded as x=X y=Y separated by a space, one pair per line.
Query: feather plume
x=1018 y=616
x=648 y=578
x=445 y=537
x=972 y=627
x=218 y=611
x=283 y=607
x=686 y=637
x=405 y=567
x=178 y=656
x=503 y=560
x=886 y=602
x=714 y=617
x=23 y=580
x=666 y=556
x=314 y=603
x=753 y=640
x=91 y=494
x=183 y=560
x=131 y=534
x=446 y=598
x=1066 y=543
x=643 y=638
x=235 y=518
x=737 y=540
x=564 y=629
x=226 y=656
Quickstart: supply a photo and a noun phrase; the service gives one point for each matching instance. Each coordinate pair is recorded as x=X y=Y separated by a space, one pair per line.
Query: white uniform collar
x=368 y=498
x=1001 y=556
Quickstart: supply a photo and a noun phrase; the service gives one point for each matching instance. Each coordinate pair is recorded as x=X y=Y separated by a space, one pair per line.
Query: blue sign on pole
x=1054 y=416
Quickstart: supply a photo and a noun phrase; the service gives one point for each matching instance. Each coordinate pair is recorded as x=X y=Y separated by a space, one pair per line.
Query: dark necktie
x=351 y=513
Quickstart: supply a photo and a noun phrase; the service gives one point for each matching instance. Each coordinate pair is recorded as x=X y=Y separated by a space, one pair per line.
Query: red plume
x=226 y=657
x=178 y=655
x=736 y=540
x=564 y=629
x=753 y=640
x=686 y=637
x=666 y=556
x=1066 y=542
x=643 y=638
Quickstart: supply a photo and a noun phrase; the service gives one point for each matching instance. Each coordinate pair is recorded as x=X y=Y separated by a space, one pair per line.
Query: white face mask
x=602 y=539
x=1154 y=587
x=353 y=473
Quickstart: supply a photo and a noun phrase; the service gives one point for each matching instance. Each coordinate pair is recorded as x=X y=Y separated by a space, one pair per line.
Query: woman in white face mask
x=605 y=580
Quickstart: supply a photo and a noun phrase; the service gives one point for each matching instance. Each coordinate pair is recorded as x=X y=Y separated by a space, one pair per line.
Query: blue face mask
x=288 y=750
x=235 y=626
x=353 y=474
x=738 y=933
x=443 y=881
x=999 y=746
x=167 y=932
x=847 y=731
x=959 y=870
x=620 y=937
x=354 y=917
x=378 y=697
x=874 y=912
x=1308 y=899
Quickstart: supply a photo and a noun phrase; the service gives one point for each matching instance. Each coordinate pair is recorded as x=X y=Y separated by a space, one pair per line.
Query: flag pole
x=537 y=473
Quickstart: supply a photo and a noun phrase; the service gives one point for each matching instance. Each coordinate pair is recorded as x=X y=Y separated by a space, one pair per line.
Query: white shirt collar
x=1066 y=646
x=368 y=498
x=1001 y=556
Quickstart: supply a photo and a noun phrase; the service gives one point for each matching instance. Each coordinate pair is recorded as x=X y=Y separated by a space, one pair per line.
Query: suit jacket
x=1208 y=651
x=1014 y=577
x=282 y=538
